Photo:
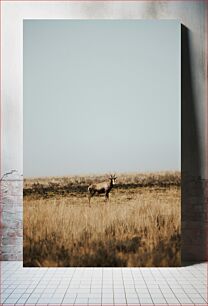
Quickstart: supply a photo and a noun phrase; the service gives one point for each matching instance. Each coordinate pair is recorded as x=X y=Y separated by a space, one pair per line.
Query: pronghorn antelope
x=104 y=187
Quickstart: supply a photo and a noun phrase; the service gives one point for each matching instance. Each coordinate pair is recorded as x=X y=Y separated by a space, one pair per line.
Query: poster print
x=102 y=180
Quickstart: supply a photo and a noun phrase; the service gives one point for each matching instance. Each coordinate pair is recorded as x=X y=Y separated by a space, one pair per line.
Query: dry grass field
x=139 y=227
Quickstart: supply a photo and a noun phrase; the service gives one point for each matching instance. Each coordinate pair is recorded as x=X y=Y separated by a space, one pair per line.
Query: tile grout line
x=69 y=285
x=135 y=287
x=147 y=287
x=123 y=284
x=169 y=287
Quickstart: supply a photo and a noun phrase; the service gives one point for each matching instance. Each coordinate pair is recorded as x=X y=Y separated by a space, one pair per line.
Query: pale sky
x=101 y=96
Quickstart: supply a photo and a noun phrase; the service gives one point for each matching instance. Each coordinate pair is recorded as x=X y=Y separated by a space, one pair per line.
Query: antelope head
x=113 y=178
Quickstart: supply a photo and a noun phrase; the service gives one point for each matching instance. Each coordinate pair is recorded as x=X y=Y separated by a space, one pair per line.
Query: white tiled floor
x=106 y=286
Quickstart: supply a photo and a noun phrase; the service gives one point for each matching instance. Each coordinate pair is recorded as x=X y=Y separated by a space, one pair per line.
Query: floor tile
x=52 y=286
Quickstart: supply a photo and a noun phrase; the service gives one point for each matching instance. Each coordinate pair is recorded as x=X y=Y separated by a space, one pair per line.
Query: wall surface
x=192 y=15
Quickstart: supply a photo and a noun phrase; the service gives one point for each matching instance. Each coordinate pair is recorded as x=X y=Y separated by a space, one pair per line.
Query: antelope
x=104 y=187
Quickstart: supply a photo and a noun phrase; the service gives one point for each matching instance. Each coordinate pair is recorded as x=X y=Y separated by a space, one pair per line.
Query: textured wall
x=11 y=217
x=194 y=108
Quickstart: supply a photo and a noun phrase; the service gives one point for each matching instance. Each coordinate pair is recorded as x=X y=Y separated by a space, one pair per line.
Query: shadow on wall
x=193 y=186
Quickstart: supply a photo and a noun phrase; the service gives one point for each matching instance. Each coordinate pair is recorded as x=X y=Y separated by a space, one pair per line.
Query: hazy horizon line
x=102 y=174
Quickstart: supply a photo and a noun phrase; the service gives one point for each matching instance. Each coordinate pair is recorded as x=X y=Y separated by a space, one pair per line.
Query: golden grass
x=139 y=227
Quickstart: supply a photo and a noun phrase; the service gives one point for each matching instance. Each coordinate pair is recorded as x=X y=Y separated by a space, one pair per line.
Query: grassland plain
x=139 y=227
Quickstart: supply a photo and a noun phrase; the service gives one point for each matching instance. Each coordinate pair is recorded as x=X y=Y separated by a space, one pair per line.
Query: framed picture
x=102 y=143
